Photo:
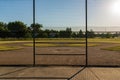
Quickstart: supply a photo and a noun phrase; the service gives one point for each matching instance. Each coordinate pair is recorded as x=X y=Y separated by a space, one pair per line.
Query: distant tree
x=108 y=35
x=62 y=34
x=17 y=29
x=65 y=33
x=115 y=35
x=68 y=33
x=2 y=26
x=98 y=35
x=53 y=34
x=102 y=35
x=74 y=35
x=80 y=34
x=40 y=34
x=3 y=30
x=36 y=27
x=28 y=33
x=45 y=35
x=16 y=26
x=91 y=34
x=47 y=32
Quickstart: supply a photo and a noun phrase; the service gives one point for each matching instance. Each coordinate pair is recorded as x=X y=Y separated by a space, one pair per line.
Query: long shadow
x=51 y=78
x=14 y=71
x=76 y=73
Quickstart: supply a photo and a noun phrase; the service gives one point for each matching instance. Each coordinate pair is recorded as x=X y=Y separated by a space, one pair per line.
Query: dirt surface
x=103 y=57
x=96 y=56
x=31 y=73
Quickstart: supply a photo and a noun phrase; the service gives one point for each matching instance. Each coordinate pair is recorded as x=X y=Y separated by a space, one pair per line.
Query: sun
x=115 y=8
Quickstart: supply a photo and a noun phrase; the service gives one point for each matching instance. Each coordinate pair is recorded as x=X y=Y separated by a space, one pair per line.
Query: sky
x=61 y=13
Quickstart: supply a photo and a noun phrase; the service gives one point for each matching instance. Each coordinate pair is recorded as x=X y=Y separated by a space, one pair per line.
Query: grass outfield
x=61 y=45
x=9 y=48
x=10 y=42
x=105 y=40
x=116 y=48
x=98 y=40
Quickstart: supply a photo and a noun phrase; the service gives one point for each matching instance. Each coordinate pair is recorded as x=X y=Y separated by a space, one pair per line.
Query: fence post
x=33 y=33
x=86 y=34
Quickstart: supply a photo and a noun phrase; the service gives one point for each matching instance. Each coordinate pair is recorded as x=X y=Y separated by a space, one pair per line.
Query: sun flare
x=116 y=7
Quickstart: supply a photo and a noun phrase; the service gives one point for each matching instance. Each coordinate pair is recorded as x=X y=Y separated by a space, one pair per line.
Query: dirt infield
x=96 y=56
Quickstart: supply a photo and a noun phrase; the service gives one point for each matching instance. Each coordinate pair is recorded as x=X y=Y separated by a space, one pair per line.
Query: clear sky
x=62 y=12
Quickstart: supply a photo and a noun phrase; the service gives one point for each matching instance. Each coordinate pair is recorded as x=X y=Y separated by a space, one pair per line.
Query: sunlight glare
x=116 y=8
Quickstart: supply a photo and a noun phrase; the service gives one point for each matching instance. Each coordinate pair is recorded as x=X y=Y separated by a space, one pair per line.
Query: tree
x=74 y=35
x=3 y=30
x=80 y=34
x=37 y=27
x=68 y=33
x=17 y=29
x=98 y=35
x=108 y=35
x=45 y=35
x=102 y=35
x=2 y=26
x=116 y=35
x=91 y=34
x=53 y=34
x=62 y=34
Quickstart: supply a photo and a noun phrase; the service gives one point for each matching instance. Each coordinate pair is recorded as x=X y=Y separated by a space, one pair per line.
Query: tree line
x=18 y=29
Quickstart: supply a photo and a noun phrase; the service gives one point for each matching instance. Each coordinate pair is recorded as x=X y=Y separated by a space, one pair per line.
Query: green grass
x=8 y=48
x=116 y=48
x=10 y=42
x=60 y=40
x=61 y=45
x=98 y=40
x=104 y=40
x=43 y=40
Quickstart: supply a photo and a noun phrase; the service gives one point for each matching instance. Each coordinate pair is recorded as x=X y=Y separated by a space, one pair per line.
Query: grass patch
x=60 y=40
x=99 y=40
x=61 y=45
x=83 y=45
x=104 y=40
x=10 y=42
x=116 y=48
x=8 y=48
x=7 y=40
